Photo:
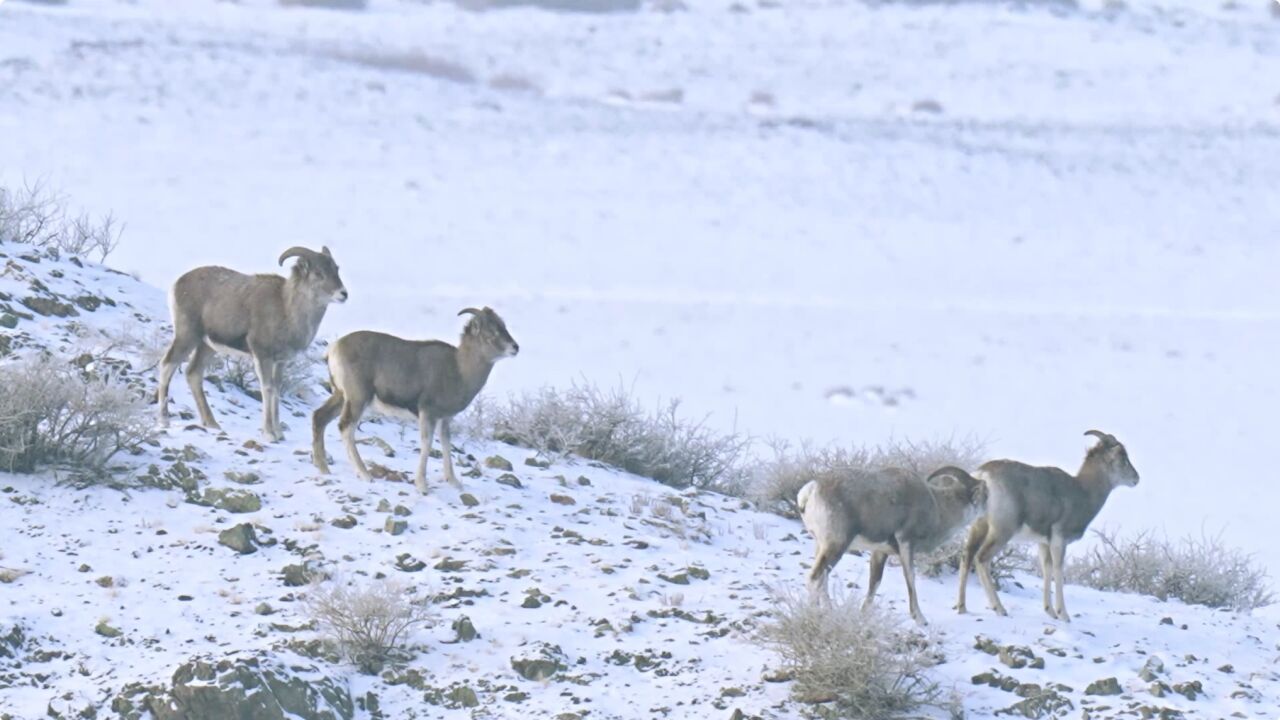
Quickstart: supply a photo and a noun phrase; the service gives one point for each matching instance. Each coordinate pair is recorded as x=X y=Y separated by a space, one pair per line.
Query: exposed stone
x=680 y=578
x=232 y=500
x=49 y=306
x=562 y=499
x=346 y=522
x=247 y=688
x=497 y=462
x=1151 y=669
x=464 y=696
x=450 y=565
x=468 y=499
x=105 y=630
x=465 y=631
x=401 y=511
x=408 y=563
x=242 y=478
x=509 y=480
x=536 y=463
x=1106 y=686
x=1189 y=690
x=539 y=661
x=395 y=527
x=296 y=575
x=240 y=538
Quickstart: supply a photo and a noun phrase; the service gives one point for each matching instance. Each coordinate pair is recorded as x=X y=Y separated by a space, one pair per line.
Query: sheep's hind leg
x=319 y=421
x=446 y=450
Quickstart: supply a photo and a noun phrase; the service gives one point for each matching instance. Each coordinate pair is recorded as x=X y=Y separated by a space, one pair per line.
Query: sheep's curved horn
x=1103 y=437
x=469 y=311
x=295 y=251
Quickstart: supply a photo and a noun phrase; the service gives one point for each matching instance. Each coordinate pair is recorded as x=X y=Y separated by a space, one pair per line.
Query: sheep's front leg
x=427 y=431
x=266 y=370
x=446 y=448
x=907 y=556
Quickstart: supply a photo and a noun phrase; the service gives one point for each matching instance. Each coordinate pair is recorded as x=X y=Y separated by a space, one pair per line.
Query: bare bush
x=328 y=4
x=1197 y=571
x=296 y=374
x=37 y=216
x=613 y=427
x=945 y=560
x=863 y=664
x=775 y=484
x=369 y=624
x=53 y=413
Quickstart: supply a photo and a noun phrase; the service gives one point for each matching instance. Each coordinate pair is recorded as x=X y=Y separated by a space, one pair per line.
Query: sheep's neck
x=304 y=309
x=1096 y=484
x=473 y=367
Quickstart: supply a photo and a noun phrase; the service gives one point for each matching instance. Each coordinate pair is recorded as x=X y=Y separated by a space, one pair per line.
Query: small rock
x=384 y=506
x=698 y=573
x=1151 y=669
x=395 y=527
x=676 y=579
x=468 y=499
x=463 y=695
x=1106 y=686
x=509 y=480
x=1228 y=669
x=465 y=631
x=264 y=609
x=408 y=563
x=105 y=630
x=562 y=499
x=535 y=462
x=296 y=575
x=539 y=662
x=346 y=522
x=402 y=511
x=584 y=481
x=451 y=565
x=242 y=478
x=531 y=603
x=1189 y=690
x=240 y=538
x=497 y=462
x=106 y=581
x=232 y=500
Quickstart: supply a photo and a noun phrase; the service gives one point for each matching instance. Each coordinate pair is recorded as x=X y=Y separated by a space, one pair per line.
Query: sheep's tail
x=805 y=496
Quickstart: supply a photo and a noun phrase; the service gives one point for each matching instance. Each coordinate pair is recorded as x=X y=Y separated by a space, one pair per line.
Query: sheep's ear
x=325 y=250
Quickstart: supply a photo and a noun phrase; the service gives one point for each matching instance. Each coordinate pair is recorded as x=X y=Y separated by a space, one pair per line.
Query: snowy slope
x=589 y=543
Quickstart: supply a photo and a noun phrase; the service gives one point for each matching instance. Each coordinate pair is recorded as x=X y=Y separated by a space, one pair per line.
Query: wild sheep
x=428 y=380
x=1045 y=504
x=265 y=317
x=888 y=511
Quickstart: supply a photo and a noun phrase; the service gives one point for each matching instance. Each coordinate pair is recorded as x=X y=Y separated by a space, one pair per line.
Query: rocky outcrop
x=246 y=687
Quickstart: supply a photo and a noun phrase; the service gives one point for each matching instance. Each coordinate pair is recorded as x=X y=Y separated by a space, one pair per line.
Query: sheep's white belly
x=861 y=543
x=226 y=349
x=392 y=411
x=1026 y=534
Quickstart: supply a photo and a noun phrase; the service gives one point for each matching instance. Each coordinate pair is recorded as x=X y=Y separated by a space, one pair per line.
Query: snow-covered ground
x=814 y=219
x=651 y=596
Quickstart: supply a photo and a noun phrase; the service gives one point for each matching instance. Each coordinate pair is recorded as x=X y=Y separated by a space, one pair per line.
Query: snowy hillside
x=631 y=600
x=1013 y=220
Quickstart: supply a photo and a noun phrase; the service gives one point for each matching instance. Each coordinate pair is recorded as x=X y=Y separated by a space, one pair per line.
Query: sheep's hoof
x=960 y=609
x=454 y=482
x=1001 y=612
x=1063 y=616
x=322 y=466
x=421 y=485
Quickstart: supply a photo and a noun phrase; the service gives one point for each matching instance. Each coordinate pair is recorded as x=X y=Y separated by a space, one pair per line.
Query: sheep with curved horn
x=428 y=381
x=889 y=511
x=1045 y=504
x=265 y=317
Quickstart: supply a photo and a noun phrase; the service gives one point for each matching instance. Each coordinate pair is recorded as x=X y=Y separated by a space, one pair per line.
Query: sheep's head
x=489 y=333
x=1111 y=460
x=318 y=272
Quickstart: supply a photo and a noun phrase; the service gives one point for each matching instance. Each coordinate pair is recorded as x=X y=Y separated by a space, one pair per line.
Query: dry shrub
x=54 y=413
x=328 y=4
x=35 y=215
x=775 y=484
x=613 y=427
x=370 y=623
x=1197 y=571
x=862 y=664
x=945 y=560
